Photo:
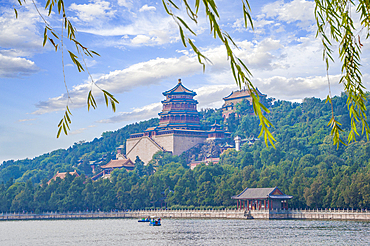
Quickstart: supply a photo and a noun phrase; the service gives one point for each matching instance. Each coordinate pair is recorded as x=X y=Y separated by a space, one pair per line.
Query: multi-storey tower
x=179 y=109
x=179 y=127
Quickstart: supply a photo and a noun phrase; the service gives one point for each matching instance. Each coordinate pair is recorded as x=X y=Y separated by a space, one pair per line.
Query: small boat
x=144 y=220
x=155 y=222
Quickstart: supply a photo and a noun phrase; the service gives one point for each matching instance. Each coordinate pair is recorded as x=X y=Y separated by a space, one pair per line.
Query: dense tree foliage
x=305 y=164
x=76 y=157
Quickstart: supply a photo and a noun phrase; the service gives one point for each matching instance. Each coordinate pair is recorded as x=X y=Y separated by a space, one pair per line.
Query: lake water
x=184 y=232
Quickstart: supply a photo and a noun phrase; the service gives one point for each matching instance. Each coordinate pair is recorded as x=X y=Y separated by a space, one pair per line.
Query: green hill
x=305 y=164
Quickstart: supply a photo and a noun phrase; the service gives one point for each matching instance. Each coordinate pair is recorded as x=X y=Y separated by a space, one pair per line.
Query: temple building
x=262 y=198
x=237 y=97
x=120 y=162
x=217 y=132
x=179 y=127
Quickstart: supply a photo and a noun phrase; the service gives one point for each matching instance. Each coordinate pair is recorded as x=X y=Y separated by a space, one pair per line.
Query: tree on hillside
x=335 y=26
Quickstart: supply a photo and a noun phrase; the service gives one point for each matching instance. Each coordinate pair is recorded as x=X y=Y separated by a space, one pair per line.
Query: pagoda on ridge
x=179 y=109
x=179 y=128
x=236 y=97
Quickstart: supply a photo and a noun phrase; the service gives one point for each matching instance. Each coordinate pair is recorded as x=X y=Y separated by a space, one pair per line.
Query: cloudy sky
x=142 y=56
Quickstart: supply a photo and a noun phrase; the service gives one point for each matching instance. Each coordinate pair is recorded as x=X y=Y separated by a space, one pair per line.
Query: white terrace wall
x=146 y=147
x=142 y=147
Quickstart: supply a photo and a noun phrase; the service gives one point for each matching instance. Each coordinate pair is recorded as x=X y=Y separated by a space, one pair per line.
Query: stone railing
x=314 y=214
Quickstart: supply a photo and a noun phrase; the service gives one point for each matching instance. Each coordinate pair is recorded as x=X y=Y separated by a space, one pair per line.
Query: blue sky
x=142 y=56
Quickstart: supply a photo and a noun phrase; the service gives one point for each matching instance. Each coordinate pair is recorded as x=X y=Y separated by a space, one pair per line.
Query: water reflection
x=184 y=232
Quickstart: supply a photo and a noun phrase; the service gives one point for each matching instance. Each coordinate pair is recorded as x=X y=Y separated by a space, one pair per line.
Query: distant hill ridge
x=304 y=164
x=302 y=125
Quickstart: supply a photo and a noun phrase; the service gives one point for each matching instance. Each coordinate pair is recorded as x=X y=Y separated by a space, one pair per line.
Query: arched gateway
x=262 y=198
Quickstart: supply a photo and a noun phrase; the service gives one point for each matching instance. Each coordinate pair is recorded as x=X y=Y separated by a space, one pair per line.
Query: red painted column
x=247 y=204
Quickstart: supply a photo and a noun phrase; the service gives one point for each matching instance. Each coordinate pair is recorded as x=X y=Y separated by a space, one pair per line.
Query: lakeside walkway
x=311 y=214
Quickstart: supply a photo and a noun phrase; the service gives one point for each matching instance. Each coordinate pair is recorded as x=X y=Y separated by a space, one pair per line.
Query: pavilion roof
x=179 y=89
x=62 y=175
x=262 y=193
x=241 y=94
x=119 y=163
x=215 y=125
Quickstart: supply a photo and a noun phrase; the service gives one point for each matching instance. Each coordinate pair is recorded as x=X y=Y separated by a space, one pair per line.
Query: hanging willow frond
x=239 y=70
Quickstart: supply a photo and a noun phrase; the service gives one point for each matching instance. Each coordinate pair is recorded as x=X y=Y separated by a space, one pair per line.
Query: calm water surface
x=184 y=232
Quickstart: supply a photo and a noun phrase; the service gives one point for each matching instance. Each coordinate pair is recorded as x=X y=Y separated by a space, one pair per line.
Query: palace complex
x=237 y=97
x=179 y=128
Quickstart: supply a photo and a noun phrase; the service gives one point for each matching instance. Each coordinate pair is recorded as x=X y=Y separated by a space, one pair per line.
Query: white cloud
x=93 y=11
x=143 y=113
x=185 y=52
x=120 y=81
x=140 y=39
x=296 y=10
x=25 y=120
x=131 y=24
x=299 y=87
x=207 y=96
x=147 y=8
x=19 y=37
x=211 y=96
x=157 y=30
x=90 y=62
x=258 y=25
x=256 y=56
x=125 y=3
x=16 y=66
x=81 y=130
x=20 y=34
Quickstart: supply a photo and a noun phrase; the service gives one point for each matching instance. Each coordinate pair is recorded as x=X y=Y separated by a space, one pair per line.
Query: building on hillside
x=205 y=161
x=120 y=162
x=237 y=97
x=262 y=198
x=217 y=132
x=179 y=127
x=62 y=175
x=225 y=147
x=95 y=163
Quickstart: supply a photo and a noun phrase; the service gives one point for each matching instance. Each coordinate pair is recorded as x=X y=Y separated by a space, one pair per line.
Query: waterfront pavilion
x=261 y=198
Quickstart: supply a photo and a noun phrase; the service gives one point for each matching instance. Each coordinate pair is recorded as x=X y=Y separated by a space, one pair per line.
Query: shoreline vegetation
x=302 y=214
